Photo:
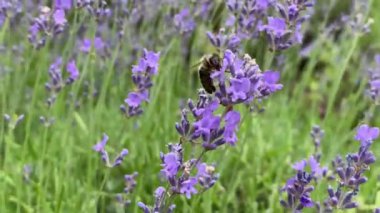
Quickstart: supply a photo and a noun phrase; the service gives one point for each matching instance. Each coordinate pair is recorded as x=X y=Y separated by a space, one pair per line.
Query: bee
x=208 y=65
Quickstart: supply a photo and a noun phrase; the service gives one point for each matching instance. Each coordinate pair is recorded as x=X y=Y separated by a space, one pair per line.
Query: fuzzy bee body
x=208 y=65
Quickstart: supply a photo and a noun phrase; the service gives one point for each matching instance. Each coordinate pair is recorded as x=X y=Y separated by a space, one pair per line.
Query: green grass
x=69 y=177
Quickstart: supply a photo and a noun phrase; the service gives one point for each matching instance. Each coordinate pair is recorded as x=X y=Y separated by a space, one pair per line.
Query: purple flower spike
x=366 y=134
x=142 y=74
x=47 y=24
x=184 y=22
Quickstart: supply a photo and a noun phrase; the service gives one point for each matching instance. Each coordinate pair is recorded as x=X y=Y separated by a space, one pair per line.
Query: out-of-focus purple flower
x=184 y=22
x=47 y=24
x=224 y=41
x=366 y=134
x=100 y=148
x=141 y=76
x=119 y=159
x=374 y=81
x=317 y=134
x=97 y=43
x=63 y=4
x=56 y=82
x=73 y=71
x=11 y=9
x=300 y=166
x=85 y=45
x=188 y=187
x=271 y=78
x=130 y=182
x=206 y=175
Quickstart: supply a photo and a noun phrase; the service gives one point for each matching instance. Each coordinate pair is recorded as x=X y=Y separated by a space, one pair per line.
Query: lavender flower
x=159 y=205
x=100 y=148
x=349 y=175
x=246 y=84
x=130 y=184
x=141 y=76
x=188 y=187
x=285 y=31
x=97 y=43
x=184 y=22
x=366 y=134
x=247 y=16
x=298 y=190
x=206 y=175
x=57 y=82
x=47 y=24
x=224 y=41
x=239 y=81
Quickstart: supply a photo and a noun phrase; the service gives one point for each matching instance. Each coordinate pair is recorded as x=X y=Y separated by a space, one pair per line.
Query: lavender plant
x=142 y=78
x=348 y=176
x=57 y=82
x=240 y=81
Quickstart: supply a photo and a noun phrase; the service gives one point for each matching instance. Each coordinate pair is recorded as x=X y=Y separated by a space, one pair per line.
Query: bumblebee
x=208 y=65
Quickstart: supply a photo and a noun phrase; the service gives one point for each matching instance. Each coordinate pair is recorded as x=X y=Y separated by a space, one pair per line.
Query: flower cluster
x=48 y=24
x=184 y=21
x=250 y=17
x=246 y=83
x=282 y=32
x=9 y=9
x=178 y=173
x=100 y=148
x=224 y=40
x=56 y=82
x=351 y=174
x=298 y=190
x=247 y=16
x=348 y=175
x=142 y=78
